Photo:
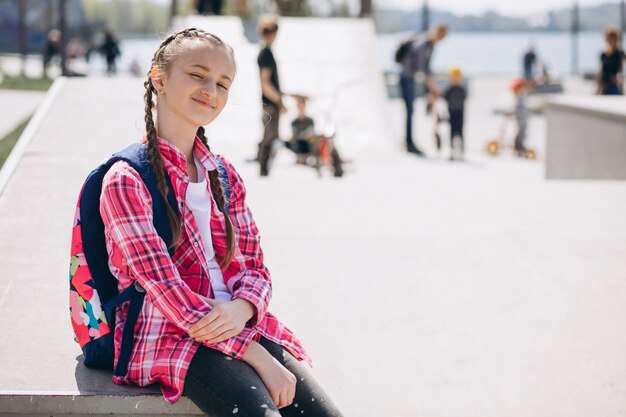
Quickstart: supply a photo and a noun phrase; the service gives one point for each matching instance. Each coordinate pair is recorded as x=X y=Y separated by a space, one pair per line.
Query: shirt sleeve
x=126 y=210
x=255 y=284
x=265 y=59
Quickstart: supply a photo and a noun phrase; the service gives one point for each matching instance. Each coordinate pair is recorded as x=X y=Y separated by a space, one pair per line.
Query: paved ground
x=420 y=287
x=16 y=106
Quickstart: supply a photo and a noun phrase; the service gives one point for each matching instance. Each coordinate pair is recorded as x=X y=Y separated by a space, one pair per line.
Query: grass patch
x=20 y=82
x=8 y=142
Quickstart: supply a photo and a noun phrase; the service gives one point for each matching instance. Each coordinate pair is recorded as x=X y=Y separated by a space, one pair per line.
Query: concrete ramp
x=331 y=60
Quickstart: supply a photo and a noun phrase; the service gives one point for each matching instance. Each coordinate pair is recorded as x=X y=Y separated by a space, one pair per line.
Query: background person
x=270 y=89
x=610 y=80
x=417 y=59
x=519 y=87
x=455 y=96
x=111 y=51
x=529 y=63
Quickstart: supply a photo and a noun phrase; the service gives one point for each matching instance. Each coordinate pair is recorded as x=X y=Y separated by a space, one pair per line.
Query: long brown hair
x=167 y=52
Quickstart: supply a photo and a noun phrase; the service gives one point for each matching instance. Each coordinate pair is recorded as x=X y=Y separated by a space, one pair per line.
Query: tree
x=366 y=8
x=173 y=11
x=293 y=7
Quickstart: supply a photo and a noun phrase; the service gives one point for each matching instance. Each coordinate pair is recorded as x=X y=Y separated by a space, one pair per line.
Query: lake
x=478 y=54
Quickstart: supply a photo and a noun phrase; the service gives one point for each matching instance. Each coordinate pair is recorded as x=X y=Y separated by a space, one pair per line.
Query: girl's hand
x=280 y=383
x=227 y=319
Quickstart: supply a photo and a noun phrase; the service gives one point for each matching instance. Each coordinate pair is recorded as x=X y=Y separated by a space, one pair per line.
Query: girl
x=204 y=330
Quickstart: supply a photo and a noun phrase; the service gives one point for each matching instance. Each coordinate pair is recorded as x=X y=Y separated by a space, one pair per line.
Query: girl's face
x=195 y=86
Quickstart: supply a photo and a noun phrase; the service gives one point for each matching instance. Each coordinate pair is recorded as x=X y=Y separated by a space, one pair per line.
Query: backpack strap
x=224 y=182
x=92 y=228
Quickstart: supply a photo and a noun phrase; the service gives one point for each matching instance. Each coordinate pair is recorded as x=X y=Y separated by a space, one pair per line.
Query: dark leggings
x=222 y=386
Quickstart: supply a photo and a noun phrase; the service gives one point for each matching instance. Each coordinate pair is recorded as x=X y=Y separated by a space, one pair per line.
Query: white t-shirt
x=199 y=201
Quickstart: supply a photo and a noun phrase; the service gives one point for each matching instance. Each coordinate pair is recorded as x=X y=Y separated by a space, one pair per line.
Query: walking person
x=204 y=329
x=610 y=78
x=270 y=89
x=111 y=51
x=529 y=63
x=417 y=60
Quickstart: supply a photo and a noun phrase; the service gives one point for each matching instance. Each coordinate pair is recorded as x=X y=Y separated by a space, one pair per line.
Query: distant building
x=41 y=17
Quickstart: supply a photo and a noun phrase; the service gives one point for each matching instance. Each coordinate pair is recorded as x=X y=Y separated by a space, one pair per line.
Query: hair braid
x=218 y=194
x=157 y=163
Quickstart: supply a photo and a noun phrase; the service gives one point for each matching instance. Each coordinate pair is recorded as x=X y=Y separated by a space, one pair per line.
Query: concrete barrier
x=586 y=138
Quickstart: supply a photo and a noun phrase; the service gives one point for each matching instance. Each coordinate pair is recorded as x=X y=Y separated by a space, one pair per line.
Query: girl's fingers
x=203 y=322
x=227 y=334
x=208 y=328
x=216 y=329
x=276 y=398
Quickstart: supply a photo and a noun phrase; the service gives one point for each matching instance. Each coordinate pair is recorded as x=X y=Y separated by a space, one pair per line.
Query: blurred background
x=488 y=37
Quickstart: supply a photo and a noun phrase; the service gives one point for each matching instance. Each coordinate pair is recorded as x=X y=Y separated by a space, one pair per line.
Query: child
x=455 y=96
x=303 y=131
x=520 y=89
x=204 y=330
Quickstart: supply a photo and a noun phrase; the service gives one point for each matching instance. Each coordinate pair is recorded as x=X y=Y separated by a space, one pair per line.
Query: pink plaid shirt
x=163 y=350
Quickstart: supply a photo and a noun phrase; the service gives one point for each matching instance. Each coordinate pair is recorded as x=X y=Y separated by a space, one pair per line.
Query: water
x=501 y=53
x=478 y=54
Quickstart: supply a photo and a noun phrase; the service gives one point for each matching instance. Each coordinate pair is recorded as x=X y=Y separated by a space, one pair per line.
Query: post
x=64 y=36
x=575 y=29
x=22 y=33
x=622 y=21
x=425 y=17
x=173 y=11
x=366 y=8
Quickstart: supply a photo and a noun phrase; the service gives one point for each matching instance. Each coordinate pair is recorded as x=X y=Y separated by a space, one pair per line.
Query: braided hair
x=167 y=52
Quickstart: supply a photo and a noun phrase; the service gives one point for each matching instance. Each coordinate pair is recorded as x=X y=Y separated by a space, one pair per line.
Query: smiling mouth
x=204 y=103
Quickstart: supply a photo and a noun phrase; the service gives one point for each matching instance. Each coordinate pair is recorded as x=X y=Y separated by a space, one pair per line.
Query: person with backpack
x=415 y=56
x=168 y=221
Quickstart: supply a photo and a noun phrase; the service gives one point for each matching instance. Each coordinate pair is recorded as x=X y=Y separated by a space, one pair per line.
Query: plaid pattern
x=175 y=285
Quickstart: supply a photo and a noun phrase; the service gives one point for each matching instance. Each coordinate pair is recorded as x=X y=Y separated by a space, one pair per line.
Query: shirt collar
x=174 y=155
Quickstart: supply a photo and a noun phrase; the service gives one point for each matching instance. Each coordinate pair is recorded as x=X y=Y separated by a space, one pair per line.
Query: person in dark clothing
x=455 y=96
x=530 y=59
x=206 y=7
x=417 y=60
x=610 y=78
x=303 y=132
x=519 y=87
x=111 y=51
x=52 y=49
x=270 y=89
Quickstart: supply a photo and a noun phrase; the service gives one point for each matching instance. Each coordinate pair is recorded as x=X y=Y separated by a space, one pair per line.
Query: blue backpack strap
x=224 y=181
x=94 y=244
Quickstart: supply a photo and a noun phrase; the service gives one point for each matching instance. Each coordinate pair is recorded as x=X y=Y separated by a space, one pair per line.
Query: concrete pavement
x=420 y=287
x=16 y=106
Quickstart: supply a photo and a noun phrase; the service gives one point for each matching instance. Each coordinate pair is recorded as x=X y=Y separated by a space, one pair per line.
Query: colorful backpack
x=93 y=288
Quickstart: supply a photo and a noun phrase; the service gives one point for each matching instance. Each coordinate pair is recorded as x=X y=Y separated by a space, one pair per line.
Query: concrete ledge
x=96 y=395
x=586 y=138
x=79 y=404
